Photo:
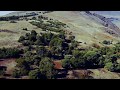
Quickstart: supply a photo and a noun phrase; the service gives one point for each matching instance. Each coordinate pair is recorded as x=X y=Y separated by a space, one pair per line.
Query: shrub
x=13 y=22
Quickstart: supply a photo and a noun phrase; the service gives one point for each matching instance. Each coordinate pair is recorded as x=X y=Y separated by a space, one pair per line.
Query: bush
x=25 y=29
x=106 y=42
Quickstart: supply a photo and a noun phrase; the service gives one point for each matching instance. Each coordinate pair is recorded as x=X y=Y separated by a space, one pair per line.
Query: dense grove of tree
x=47 y=47
x=42 y=49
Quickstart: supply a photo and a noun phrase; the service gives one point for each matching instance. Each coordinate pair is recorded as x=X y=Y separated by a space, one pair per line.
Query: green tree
x=47 y=68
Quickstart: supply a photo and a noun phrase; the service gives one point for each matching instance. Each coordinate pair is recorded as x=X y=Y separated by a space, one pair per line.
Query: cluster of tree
x=42 y=49
x=105 y=57
x=10 y=53
x=48 y=47
x=44 y=68
x=57 y=43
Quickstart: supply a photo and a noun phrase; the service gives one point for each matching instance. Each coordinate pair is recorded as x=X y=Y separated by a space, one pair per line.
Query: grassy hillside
x=85 y=28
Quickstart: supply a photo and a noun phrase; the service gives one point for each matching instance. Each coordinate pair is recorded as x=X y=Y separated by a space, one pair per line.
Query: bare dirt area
x=79 y=74
x=10 y=64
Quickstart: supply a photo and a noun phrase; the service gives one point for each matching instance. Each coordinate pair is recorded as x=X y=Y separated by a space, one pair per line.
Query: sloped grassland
x=84 y=27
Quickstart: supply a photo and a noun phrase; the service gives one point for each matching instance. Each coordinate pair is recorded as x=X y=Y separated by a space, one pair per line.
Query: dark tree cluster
x=47 y=47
